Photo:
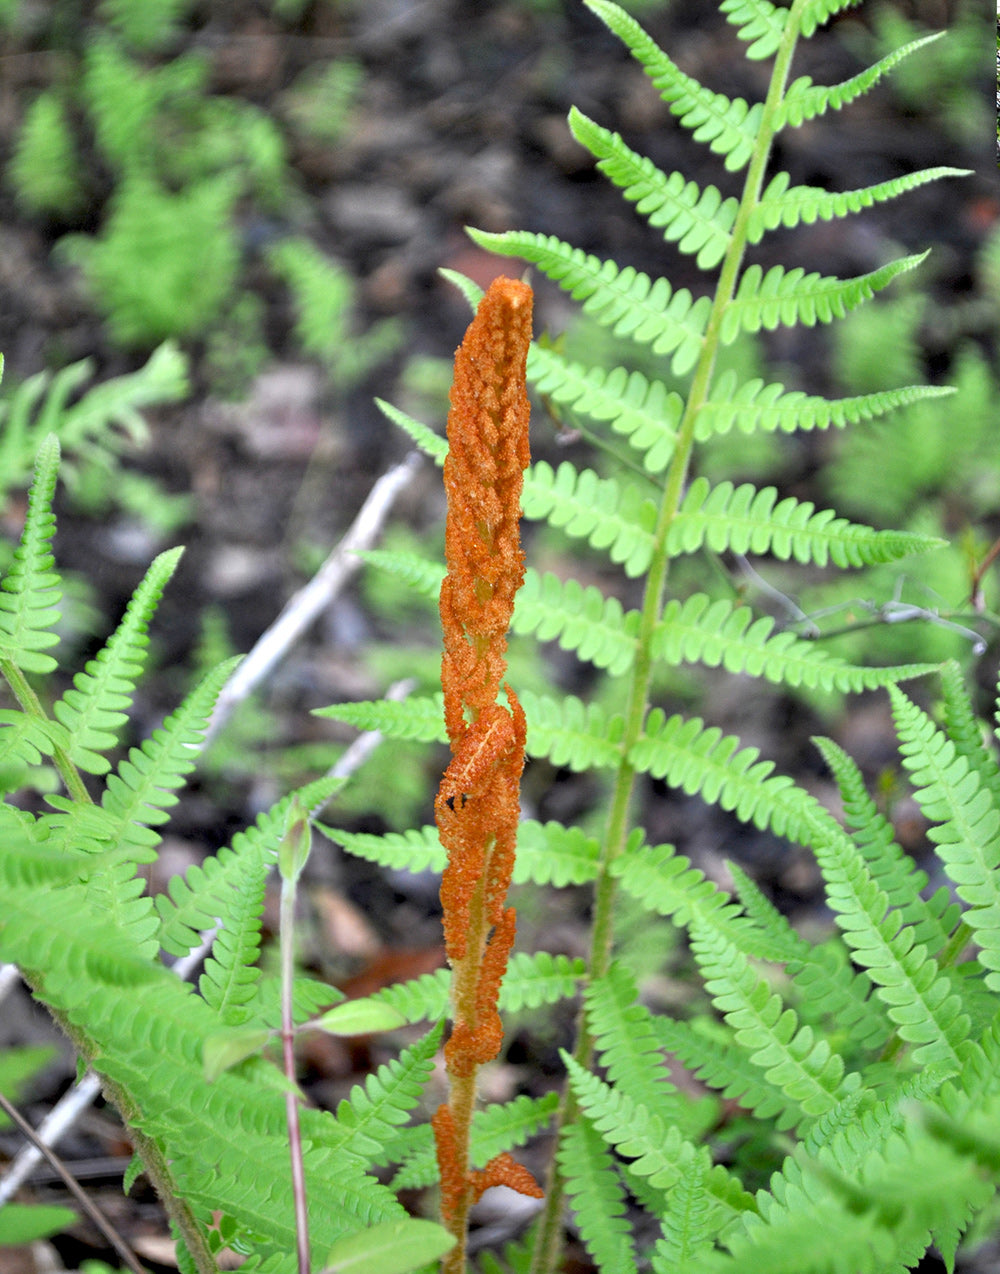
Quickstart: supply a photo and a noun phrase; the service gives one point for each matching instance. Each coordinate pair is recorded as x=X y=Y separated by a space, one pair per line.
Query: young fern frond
x=967 y=834
x=597 y=1197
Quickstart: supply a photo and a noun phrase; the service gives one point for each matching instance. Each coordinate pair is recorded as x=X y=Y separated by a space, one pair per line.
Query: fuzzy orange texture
x=478 y=804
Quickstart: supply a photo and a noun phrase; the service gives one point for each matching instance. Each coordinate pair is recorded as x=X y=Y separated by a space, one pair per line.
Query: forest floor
x=460 y=120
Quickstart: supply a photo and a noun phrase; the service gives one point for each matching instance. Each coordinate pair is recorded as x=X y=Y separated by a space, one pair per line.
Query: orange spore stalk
x=477 y=806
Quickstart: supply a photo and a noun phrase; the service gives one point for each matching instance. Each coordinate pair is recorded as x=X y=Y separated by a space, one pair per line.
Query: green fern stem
x=548 y=1242
x=30 y=703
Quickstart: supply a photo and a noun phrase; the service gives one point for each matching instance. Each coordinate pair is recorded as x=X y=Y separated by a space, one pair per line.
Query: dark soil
x=461 y=120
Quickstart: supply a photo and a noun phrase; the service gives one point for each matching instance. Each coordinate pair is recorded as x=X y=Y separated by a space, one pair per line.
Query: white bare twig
x=310 y=601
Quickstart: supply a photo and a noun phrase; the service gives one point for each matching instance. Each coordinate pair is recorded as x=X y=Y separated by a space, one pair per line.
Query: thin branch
x=312 y=599
x=74 y=1187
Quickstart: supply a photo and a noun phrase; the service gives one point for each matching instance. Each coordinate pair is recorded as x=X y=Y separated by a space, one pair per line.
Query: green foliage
x=323 y=297
x=94 y=428
x=166 y=262
x=45 y=169
x=866 y=1061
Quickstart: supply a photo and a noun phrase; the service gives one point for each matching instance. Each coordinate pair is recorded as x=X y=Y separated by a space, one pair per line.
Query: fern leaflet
x=93 y=710
x=753 y=405
x=968 y=831
x=644 y=411
x=30 y=591
x=730 y=127
x=698 y=221
x=596 y=1196
x=616 y=520
x=784 y=205
x=723 y=634
x=625 y=300
x=791 y=296
x=804 y=100
x=745 y=520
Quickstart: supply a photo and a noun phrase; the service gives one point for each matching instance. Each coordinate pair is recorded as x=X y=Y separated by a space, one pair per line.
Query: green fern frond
x=804 y=100
x=933 y=919
x=625 y=300
x=830 y=987
x=806 y=1070
x=535 y=980
x=967 y=834
x=580 y=618
x=698 y=221
x=368 y=1120
x=616 y=520
x=552 y=854
x=416 y=849
x=421 y=717
x=25 y=739
x=744 y=519
x=784 y=205
x=422 y=574
x=919 y=998
x=229 y=981
x=759 y=22
x=643 y=411
x=792 y=296
x=766 y=917
x=965 y=730
x=597 y=1197
x=730 y=127
x=724 y=634
x=31 y=589
x=754 y=406
x=625 y=1038
x=547 y=853
x=99 y=422
x=659 y=1151
x=531 y=981
x=193 y=901
x=94 y=710
x=145 y=783
x=687 y=1228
